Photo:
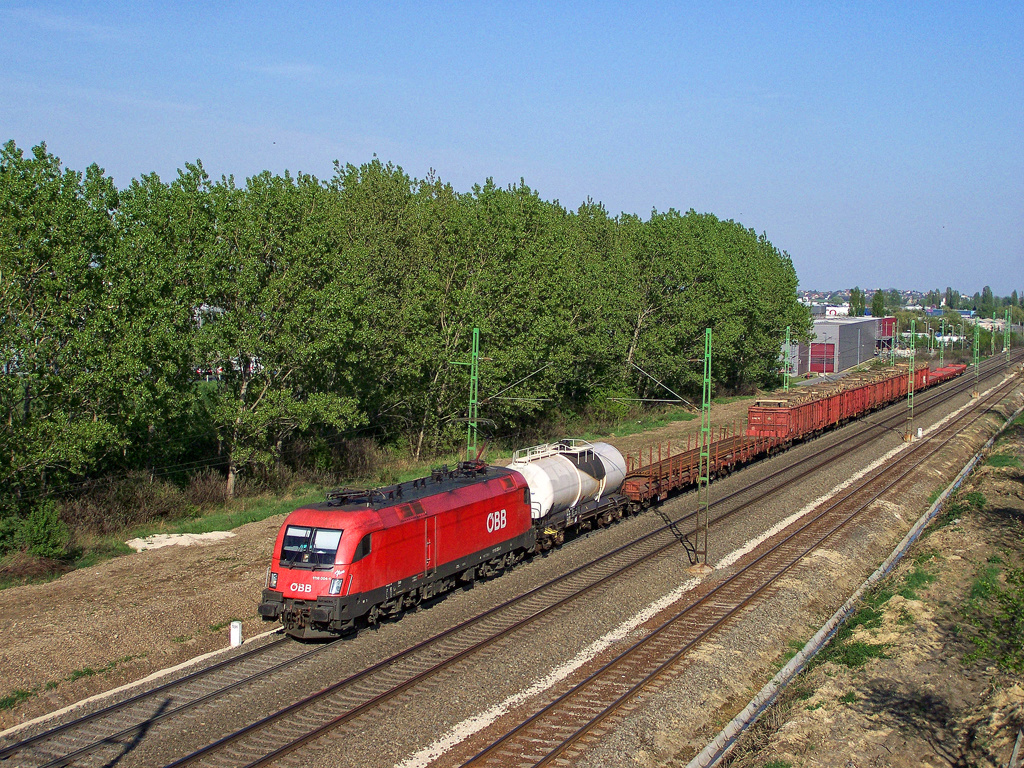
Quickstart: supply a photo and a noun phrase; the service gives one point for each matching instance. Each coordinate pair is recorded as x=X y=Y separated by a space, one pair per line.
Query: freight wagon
x=808 y=412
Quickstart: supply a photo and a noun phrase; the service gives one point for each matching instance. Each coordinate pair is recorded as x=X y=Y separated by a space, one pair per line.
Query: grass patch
x=848 y=698
x=856 y=653
x=14 y=698
x=956 y=507
x=802 y=694
x=1003 y=460
x=253 y=511
x=975 y=500
x=778 y=764
x=994 y=614
x=915 y=580
x=985 y=585
x=222 y=625
x=643 y=424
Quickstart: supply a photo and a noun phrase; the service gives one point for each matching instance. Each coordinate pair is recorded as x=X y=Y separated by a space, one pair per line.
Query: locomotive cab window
x=526 y=495
x=362 y=549
x=309 y=547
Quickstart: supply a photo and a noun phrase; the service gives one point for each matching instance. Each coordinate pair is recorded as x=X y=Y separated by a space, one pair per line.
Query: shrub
x=10 y=528
x=111 y=507
x=207 y=488
x=43 y=533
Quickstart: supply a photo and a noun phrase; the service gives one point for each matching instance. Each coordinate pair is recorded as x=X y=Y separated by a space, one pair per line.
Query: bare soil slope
x=903 y=689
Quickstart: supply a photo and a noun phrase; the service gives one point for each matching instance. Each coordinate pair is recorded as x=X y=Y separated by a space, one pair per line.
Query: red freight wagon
x=364 y=553
x=940 y=375
x=798 y=420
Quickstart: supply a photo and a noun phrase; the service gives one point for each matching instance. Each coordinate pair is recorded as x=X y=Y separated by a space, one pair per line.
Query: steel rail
x=112 y=738
x=123 y=709
x=911 y=459
x=378 y=699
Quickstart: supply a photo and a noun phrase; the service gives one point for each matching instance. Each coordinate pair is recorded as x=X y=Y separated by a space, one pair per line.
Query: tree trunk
x=229 y=491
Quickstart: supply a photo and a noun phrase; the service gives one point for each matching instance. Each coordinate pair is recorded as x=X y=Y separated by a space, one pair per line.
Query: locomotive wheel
x=373 y=616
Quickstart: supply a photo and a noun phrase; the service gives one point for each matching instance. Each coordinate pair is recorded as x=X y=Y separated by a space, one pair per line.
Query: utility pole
x=892 y=346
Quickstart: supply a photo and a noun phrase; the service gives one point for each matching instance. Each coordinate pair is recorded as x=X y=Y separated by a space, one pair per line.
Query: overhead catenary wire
x=661 y=384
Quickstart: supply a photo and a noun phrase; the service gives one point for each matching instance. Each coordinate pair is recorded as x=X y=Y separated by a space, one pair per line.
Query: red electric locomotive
x=366 y=554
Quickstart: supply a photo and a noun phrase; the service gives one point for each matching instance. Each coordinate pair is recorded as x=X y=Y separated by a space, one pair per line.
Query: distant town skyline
x=878 y=144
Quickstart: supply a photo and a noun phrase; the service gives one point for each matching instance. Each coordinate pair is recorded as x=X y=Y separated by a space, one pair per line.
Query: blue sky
x=880 y=144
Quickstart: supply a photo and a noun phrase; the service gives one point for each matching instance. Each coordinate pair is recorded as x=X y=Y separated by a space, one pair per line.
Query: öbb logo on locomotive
x=366 y=555
x=496 y=521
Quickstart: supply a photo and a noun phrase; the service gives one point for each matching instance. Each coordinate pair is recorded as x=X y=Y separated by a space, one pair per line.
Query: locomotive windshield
x=309 y=546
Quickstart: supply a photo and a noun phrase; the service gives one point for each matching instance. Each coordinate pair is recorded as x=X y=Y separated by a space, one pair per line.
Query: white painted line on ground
x=468 y=727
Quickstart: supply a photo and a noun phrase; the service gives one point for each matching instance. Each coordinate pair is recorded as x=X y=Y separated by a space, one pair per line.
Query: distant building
x=839 y=343
x=830 y=310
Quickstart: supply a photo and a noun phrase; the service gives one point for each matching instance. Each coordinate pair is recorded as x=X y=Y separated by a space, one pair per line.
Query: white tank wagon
x=573 y=484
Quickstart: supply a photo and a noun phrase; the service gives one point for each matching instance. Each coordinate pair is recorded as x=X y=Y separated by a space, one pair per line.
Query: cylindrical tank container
x=564 y=474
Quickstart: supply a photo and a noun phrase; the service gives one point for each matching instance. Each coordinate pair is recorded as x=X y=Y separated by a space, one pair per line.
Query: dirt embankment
x=930 y=671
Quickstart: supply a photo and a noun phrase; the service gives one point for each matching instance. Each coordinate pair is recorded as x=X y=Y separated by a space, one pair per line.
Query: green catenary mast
x=785 y=375
x=942 y=342
x=701 y=534
x=910 y=383
x=977 y=355
x=474 y=395
x=1006 y=334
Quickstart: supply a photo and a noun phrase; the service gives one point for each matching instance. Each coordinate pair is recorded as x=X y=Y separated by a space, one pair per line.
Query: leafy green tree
x=857 y=302
x=272 y=317
x=878 y=303
x=952 y=298
x=987 y=304
x=893 y=301
x=56 y=229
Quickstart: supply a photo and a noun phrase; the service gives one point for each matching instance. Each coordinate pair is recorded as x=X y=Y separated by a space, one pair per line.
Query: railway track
x=102 y=736
x=340 y=707
x=104 y=733
x=566 y=722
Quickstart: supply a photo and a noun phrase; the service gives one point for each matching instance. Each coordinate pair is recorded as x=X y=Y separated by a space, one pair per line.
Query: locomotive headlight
x=273 y=579
x=336 y=586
